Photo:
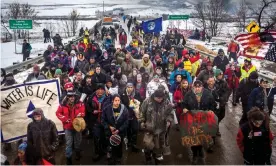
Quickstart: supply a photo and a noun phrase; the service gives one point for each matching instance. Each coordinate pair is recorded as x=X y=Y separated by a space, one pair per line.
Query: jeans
x=70 y=137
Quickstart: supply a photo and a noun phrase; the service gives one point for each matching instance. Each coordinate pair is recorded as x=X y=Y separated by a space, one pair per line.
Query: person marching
x=156 y=119
x=115 y=122
x=198 y=99
x=69 y=109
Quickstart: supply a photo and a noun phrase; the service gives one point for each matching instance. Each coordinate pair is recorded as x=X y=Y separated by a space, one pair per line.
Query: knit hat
x=68 y=85
x=58 y=72
x=71 y=93
x=159 y=93
x=22 y=147
x=209 y=63
x=184 y=52
x=37 y=111
x=100 y=86
x=129 y=84
x=181 y=65
x=254 y=75
x=220 y=51
x=217 y=72
x=198 y=83
x=36 y=68
x=157 y=57
x=73 y=52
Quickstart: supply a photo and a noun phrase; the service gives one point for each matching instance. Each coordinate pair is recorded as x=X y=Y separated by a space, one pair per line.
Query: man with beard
x=131 y=99
x=246 y=86
x=119 y=79
x=77 y=81
x=34 y=75
x=69 y=109
x=42 y=134
x=94 y=106
x=156 y=119
x=98 y=77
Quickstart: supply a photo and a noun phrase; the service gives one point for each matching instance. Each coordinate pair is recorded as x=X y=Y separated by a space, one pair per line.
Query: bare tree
x=51 y=27
x=66 y=27
x=74 y=23
x=170 y=24
x=178 y=23
x=200 y=15
x=265 y=14
x=21 y=11
x=209 y=15
x=242 y=15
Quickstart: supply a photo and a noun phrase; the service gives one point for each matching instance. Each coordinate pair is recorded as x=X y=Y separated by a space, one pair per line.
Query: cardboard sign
x=197 y=127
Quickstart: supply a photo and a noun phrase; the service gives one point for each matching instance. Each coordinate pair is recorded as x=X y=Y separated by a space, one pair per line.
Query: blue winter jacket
x=256 y=98
x=181 y=72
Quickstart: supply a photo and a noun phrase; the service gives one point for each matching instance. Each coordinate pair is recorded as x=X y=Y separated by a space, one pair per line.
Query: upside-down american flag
x=256 y=45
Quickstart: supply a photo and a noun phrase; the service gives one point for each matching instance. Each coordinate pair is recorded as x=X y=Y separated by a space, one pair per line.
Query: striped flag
x=256 y=45
x=271 y=53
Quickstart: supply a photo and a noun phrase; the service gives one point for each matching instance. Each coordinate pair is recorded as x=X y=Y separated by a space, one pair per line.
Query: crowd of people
x=120 y=91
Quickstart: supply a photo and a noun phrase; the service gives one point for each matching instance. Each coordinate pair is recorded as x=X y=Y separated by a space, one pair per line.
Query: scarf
x=100 y=99
x=146 y=64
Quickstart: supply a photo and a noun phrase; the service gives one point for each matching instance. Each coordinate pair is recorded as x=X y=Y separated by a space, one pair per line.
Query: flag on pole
x=152 y=25
x=256 y=45
x=271 y=53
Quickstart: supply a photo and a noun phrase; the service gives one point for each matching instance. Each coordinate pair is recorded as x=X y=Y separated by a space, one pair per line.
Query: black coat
x=221 y=62
x=245 y=88
x=125 y=100
x=257 y=148
x=121 y=123
x=207 y=101
x=43 y=136
x=99 y=78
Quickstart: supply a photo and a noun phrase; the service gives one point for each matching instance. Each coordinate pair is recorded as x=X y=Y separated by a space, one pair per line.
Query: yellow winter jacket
x=188 y=66
x=195 y=66
x=135 y=43
x=86 y=32
x=85 y=41
x=244 y=73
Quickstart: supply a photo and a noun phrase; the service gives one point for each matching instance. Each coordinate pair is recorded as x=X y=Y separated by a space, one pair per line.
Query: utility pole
x=103 y=9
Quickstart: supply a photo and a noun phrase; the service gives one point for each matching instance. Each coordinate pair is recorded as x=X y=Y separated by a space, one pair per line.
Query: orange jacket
x=233 y=47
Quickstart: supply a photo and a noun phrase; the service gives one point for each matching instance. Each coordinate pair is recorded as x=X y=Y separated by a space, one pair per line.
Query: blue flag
x=30 y=109
x=152 y=26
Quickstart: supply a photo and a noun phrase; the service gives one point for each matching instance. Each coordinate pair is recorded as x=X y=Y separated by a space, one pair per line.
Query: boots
x=78 y=156
x=148 y=156
x=134 y=149
x=69 y=161
x=96 y=156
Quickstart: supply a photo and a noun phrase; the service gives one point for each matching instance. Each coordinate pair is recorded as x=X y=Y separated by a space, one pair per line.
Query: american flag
x=256 y=45
x=271 y=53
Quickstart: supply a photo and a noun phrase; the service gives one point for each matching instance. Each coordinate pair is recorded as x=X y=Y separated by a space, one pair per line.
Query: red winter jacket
x=82 y=45
x=64 y=114
x=178 y=95
x=232 y=78
x=123 y=39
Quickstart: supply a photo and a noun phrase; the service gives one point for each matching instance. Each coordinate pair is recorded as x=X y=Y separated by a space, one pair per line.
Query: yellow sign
x=252 y=27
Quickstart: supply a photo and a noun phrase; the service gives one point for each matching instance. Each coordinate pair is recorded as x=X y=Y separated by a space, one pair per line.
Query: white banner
x=18 y=101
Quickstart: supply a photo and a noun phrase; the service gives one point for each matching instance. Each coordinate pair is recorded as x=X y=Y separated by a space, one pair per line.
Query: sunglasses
x=257 y=122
